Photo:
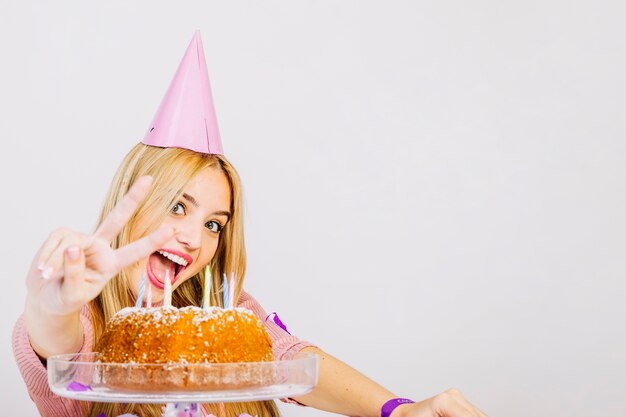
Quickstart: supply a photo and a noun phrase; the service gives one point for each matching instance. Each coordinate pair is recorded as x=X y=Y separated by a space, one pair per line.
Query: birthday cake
x=170 y=348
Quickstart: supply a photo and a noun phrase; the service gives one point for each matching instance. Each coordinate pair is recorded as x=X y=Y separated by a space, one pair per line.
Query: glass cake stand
x=182 y=386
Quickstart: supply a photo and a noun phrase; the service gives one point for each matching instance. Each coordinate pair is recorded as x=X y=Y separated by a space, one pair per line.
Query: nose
x=188 y=234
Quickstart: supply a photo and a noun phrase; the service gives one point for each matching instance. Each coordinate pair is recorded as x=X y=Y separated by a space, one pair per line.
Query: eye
x=179 y=208
x=214 y=226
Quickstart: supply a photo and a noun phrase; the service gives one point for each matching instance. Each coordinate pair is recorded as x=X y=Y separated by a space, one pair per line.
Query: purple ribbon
x=277 y=321
x=77 y=386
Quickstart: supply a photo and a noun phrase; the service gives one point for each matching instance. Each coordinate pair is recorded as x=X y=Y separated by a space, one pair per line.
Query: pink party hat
x=186 y=117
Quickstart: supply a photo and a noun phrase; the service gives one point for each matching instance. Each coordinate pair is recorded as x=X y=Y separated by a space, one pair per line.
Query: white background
x=435 y=189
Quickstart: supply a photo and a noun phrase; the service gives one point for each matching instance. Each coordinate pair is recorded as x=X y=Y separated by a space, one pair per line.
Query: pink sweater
x=35 y=373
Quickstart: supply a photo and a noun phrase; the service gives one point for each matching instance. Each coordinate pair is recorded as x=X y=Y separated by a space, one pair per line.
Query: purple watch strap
x=391 y=405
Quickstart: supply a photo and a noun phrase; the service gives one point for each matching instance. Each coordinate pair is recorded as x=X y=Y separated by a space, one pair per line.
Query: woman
x=174 y=194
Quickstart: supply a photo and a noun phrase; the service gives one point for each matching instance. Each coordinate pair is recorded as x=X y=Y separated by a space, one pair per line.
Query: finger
x=123 y=211
x=445 y=405
x=458 y=396
x=47 y=248
x=74 y=265
x=141 y=248
x=72 y=290
x=54 y=263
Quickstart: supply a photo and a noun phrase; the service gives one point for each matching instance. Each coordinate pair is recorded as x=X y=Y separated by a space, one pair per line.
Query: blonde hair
x=171 y=169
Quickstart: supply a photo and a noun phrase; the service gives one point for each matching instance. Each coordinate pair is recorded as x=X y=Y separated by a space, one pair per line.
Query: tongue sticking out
x=158 y=264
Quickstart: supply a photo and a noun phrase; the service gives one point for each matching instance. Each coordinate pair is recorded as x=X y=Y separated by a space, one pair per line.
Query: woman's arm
x=52 y=335
x=342 y=389
x=35 y=374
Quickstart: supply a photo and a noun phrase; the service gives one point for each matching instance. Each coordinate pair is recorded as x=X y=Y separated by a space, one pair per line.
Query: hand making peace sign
x=71 y=268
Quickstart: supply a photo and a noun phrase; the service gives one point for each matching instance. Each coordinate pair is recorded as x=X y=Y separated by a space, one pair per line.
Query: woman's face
x=197 y=219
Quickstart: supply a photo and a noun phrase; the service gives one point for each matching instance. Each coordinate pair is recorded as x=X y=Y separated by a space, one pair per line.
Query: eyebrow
x=193 y=201
x=222 y=213
x=190 y=199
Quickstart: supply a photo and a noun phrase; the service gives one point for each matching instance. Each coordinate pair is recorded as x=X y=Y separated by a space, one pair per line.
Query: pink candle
x=167 y=300
x=231 y=290
x=149 y=296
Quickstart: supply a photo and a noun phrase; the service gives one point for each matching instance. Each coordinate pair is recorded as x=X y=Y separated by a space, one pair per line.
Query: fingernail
x=47 y=272
x=73 y=253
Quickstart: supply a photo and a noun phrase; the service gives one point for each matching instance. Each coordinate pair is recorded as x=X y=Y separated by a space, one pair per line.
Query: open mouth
x=166 y=261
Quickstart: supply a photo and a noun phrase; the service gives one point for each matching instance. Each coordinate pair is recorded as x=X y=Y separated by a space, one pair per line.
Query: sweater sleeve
x=35 y=373
x=284 y=345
